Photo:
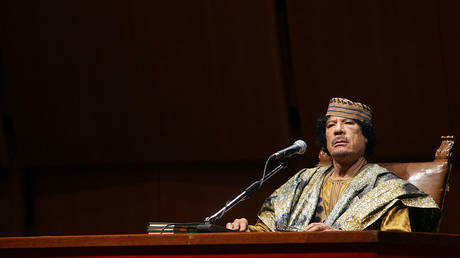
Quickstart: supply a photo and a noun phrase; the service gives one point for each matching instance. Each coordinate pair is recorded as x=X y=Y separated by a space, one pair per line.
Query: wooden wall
x=116 y=113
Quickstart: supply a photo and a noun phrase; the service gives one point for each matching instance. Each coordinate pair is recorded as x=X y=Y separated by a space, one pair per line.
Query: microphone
x=298 y=147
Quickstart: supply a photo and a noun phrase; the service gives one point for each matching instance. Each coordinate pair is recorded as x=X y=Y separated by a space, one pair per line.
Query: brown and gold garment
x=374 y=199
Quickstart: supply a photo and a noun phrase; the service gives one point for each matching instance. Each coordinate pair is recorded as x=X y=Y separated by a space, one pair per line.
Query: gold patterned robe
x=370 y=197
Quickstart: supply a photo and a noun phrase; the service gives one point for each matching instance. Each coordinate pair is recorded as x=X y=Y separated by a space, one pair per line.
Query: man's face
x=344 y=138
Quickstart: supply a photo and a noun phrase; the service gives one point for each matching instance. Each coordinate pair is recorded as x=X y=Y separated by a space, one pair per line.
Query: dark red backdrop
x=116 y=113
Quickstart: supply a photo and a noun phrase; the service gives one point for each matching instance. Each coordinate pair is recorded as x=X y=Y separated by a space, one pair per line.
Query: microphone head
x=302 y=145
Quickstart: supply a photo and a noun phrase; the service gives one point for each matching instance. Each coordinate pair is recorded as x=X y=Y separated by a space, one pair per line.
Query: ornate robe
x=368 y=197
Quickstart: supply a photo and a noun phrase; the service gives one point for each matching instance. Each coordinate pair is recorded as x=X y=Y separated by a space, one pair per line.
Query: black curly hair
x=367 y=129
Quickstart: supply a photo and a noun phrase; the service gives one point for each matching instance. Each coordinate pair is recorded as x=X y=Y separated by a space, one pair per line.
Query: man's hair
x=367 y=129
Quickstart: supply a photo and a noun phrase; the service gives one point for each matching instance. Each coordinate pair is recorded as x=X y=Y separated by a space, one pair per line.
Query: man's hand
x=239 y=225
x=318 y=227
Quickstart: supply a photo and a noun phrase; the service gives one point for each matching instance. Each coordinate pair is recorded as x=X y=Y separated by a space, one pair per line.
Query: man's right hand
x=239 y=225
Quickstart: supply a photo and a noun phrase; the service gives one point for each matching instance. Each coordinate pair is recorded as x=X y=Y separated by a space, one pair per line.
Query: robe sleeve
x=259 y=227
x=396 y=219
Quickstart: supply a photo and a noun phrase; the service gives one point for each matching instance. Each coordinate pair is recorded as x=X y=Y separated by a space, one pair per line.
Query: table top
x=253 y=238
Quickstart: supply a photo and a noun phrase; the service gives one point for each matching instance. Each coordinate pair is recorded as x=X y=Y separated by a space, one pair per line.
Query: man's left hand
x=319 y=227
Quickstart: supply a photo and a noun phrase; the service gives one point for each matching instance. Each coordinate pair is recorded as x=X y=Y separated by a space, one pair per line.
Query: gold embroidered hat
x=349 y=109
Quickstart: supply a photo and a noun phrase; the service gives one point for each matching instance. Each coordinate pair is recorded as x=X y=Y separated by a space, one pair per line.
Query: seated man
x=349 y=194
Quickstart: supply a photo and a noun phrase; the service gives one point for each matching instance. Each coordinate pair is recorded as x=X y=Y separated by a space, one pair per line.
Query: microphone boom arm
x=244 y=195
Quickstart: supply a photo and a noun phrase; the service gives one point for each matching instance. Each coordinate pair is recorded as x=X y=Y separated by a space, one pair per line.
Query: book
x=177 y=228
x=171 y=228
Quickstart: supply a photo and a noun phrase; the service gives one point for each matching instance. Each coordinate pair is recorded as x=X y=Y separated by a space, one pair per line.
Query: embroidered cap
x=346 y=108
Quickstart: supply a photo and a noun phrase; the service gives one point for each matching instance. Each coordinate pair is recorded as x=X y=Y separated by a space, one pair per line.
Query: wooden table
x=279 y=244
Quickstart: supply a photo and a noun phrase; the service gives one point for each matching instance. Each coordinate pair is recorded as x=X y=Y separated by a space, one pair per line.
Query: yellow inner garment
x=331 y=192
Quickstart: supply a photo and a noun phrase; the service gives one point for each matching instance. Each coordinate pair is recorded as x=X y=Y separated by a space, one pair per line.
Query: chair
x=430 y=177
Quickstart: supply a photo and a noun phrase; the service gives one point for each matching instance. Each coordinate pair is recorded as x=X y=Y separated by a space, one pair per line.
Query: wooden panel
x=7 y=223
x=385 y=54
x=3 y=152
x=94 y=200
x=124 y=199
x=199 y=192
x=450 y=40
x=140 y=81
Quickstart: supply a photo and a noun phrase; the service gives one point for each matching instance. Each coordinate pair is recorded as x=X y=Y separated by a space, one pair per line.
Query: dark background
x=116 y=113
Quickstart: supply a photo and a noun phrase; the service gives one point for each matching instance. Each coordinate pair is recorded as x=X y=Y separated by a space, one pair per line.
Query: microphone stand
x=244 y=195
